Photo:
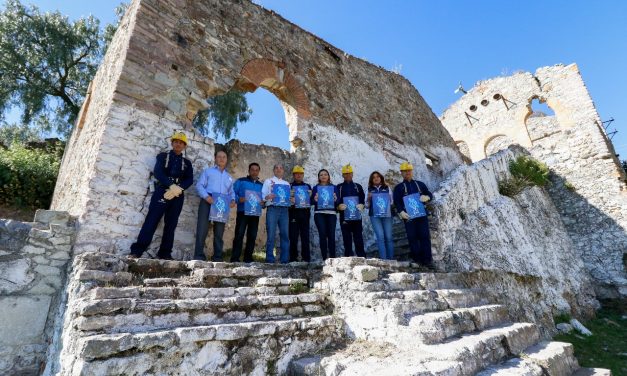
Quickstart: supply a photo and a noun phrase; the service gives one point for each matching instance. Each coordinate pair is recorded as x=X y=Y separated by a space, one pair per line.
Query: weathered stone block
x=22 y=319
x=366 y=273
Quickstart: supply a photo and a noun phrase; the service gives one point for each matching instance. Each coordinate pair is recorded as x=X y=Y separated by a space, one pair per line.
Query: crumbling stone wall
x=519 y=243
x=588 y=185
x=168 y=56
x=33 y=264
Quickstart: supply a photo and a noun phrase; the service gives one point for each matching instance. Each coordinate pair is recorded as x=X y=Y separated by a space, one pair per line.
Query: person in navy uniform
x=352 y=230
x=417 y=229
x=299 y=220
x=246 y=224
x=173 y=173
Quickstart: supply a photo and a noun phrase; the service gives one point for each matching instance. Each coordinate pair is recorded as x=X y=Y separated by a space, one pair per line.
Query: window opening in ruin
x=497 y=143
x=539 y=108
x=261 y=119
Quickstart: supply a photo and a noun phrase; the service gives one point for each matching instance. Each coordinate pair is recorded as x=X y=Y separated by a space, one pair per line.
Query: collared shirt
x=212 y=180
x=241 y=186
x=267 y=187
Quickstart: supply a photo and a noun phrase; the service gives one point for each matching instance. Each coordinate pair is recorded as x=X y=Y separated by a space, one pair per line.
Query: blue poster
x=219 y=211
x=414 y=207
x=381 y=205
x=351 y=213
x=325 y=197
x=301 y=196
x=281 y=195
x=252 y=205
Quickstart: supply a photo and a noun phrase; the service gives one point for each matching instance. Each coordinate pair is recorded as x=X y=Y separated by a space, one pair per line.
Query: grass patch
x=562 y=318
x=298 y=288
x=526 y=172
x=607 y=346
x=258 y=255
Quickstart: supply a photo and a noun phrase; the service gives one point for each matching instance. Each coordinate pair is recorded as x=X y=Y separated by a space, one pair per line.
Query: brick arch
x=496 y=143
x=274 y=77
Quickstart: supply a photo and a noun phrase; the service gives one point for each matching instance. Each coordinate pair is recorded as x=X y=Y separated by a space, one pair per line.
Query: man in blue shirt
x=212 y=180
x=246 y=224
x=276 y=217
x=352 y=230
x=173 y=173
x=417 y=229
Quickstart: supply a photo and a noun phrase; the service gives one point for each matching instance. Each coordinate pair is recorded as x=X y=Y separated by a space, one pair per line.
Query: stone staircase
x=406 y=322
x=143 y=316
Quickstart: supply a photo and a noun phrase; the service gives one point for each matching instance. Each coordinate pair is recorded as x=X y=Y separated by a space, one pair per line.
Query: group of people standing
x=288 y=208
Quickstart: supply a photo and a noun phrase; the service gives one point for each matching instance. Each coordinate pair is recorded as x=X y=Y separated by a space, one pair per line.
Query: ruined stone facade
x=588 y=185
x=168 y=56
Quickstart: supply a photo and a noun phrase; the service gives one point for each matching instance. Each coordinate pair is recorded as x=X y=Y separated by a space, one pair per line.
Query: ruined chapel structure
x=72 y=303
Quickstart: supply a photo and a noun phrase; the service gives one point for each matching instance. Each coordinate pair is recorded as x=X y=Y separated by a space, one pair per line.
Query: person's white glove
x=176 y=190
x=360 y=207
x=424 y=198
x=341 y=207
x=169 y=195
x=403 y=215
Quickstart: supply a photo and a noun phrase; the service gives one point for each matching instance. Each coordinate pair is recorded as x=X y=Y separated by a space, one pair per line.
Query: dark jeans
x=419 y=240
x=244 y=225
x=299 y=226
x=353 y=231
x=159 y=207
x=202 y=229
x=325 y=223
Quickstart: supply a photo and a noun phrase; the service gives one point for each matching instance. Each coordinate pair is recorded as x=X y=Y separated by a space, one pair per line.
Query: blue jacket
x=347 y=190
x=315 y=192
x=378 y=190
x=241 y=186
x=178 y=170
x=405 y=188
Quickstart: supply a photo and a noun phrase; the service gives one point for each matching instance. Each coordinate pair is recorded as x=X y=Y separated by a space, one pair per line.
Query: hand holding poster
x=381 y=205
x=301 y=196
x=351 y=213
x=252 y=205
x=414 y=207
x=325 y=197
x=219 y=211
x=281 y=195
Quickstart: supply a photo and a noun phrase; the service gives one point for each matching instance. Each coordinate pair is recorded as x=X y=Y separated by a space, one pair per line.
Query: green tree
x=223 y=115
x=47 y=63
x=18 y=133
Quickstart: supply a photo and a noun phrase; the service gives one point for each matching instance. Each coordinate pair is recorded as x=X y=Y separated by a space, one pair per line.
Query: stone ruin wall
x=588 y=185
x=33 y=264
x=521 y=250
x=170 y=55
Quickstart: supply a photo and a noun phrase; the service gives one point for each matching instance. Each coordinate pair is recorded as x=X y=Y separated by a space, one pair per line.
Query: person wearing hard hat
x=299 y=219
x=246 y=224
x=352 y=230
x=213 y=180
x=417 y=229
x=173 y=173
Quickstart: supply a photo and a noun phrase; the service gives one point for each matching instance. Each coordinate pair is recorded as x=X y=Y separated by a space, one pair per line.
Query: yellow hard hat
x=347 y=169
x=406 y=166
x=298 y=168
x=179 y=136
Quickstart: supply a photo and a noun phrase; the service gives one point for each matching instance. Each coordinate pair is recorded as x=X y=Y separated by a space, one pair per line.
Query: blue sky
x=436 y=44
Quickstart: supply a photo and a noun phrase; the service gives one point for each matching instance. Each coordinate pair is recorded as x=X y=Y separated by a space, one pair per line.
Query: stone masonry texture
x=588 y=186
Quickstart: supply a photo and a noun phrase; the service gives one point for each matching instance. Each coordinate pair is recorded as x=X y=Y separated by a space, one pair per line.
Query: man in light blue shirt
x=213 y=180
x=277 y=216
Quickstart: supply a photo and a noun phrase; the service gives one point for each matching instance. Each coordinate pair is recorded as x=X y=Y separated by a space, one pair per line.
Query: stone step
x=592 y=372
x=513 y=367
x=132 y=315
x=250 y=348
x=555 y=358
x=443 y=299
x=480 y=350
x=438 y=326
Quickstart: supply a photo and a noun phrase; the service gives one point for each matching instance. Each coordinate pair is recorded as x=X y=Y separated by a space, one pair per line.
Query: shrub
x=526 y=172
x=27 y=177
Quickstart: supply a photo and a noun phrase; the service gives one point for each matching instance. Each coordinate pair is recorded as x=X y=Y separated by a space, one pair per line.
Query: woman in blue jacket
x=382 y=225
x=325 y=218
